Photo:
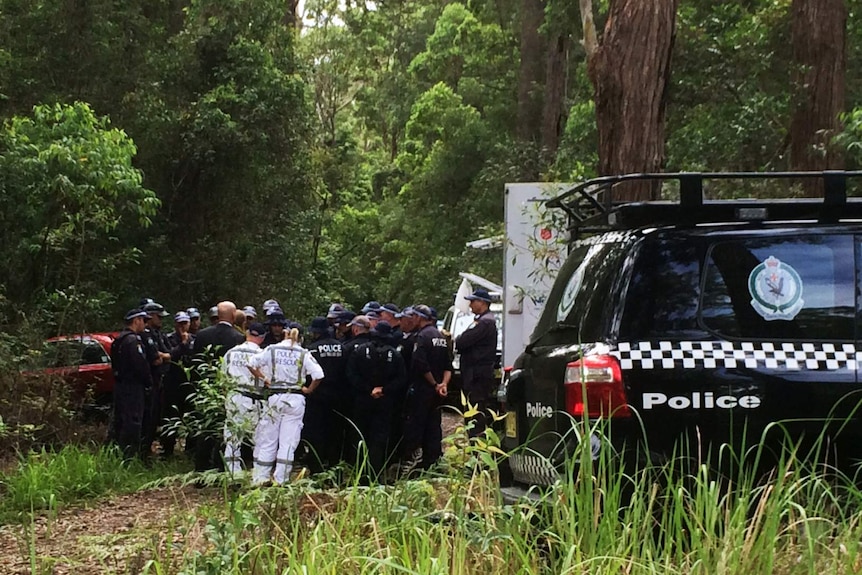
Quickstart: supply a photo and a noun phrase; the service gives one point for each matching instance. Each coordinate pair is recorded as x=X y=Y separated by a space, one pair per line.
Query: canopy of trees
x=192 y=150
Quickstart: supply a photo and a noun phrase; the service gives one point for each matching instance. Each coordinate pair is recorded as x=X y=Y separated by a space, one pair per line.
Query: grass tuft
x=48 y=481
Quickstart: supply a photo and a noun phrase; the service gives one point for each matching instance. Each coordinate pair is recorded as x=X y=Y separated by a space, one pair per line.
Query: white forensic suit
x=286 y=365
x=242 y=405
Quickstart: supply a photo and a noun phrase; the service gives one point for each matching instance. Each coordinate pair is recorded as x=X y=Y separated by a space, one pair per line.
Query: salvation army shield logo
x=776 y=290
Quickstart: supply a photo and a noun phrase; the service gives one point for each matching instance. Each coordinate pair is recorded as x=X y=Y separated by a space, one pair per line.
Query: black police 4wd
x=702 y=321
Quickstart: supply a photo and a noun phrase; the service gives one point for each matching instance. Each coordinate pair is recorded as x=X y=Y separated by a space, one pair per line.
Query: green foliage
x=207 y=418
x=67 y=185
x=334 y=163
x=731 y=102
x=851 y=138
x=232 y=102
x=48 y=481
x=474 y=59
x=599 y=518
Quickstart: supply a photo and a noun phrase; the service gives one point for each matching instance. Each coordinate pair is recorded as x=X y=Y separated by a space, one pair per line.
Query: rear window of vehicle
x=581 y=296
x=798 y=288
x=71 y=353
x=663 y=294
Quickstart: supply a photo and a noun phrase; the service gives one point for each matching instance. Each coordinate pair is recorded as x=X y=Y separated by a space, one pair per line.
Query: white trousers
x=242 y=415
x=277 y=437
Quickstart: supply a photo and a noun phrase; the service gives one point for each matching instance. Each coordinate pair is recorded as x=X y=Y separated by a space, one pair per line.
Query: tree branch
x=590 y=40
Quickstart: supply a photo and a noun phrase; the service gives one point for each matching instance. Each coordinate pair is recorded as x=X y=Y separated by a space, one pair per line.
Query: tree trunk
x=530 y=72
x=630 y=71
x=553 y=116
x=820 y=57
x=292 y=18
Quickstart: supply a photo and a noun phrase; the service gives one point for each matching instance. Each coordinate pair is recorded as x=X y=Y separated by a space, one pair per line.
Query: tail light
x=503 y=390
x=594 y=384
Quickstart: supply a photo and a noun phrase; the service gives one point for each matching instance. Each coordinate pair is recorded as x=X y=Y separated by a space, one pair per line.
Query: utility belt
x=297 y=391
x=266 y=393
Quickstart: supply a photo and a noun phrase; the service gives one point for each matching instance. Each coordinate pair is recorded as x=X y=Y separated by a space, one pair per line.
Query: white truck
x=535 y=247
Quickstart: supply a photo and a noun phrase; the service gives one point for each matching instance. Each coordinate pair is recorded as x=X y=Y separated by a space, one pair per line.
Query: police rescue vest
x=284 y=359
x=237 y=359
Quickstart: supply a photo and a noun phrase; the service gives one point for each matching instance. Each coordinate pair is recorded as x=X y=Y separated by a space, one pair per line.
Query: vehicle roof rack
x=592 y=208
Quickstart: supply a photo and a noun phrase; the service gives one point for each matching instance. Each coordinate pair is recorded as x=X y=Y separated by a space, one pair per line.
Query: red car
x=84 y=361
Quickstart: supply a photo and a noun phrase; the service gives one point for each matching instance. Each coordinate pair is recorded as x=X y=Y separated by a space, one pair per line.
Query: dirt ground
x=117 y=535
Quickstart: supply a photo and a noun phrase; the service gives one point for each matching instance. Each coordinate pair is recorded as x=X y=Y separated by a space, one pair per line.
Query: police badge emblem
x=776 y=290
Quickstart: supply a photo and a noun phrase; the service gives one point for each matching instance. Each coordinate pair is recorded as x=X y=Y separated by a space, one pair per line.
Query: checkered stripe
x=533 y=469
x=733 y=354
x=606 y=238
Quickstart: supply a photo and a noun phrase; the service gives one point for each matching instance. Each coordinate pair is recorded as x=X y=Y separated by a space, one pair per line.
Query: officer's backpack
x=376 y=357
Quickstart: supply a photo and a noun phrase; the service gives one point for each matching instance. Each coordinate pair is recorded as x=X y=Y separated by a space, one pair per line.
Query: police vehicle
x=693 y=322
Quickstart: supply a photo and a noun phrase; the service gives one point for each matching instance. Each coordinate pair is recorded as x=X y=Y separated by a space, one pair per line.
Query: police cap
x=275 y=317
x=371 y=306
x=422 y=311
x=334 y=310
x=257 y=329
x=133 y=313
x=382 y=329
x=156 y=308
x=479 y=295
x=345 y=317
x=318 y=325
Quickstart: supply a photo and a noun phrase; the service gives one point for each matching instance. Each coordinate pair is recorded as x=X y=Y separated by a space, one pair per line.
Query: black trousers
x=422 y=424
x=373 y=418
x=208 y=453
x=323 y=430
x=129 y=407
x=479 y=388
x=174 y=406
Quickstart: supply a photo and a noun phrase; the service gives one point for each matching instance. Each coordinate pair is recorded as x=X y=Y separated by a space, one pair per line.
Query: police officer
x=429 y=373
x=211 y=344
x=343 y=330
x=158 y=353
x=134 y=382
x=243 y=403
x=175 y=387
x=214 y=319
x=332 y=315
x=194 y=320
x=409 y=323
x=478 y=349
x=356 y=334
x=326 y=409
x=376 y=372
x=390 y=313
x=283 y=367
x=275 y=323
x=250 y=313
x=403 y=340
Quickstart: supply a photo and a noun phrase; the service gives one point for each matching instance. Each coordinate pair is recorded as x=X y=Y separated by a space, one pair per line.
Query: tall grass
x=47 y=480
x=600 y=518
